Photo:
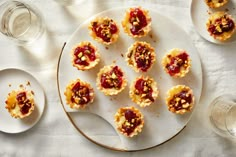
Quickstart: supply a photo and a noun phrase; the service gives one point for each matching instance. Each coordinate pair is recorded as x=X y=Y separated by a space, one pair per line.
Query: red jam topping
x=81 y=94
x=112 y=79
x=84 y=55
x=138 y=21
x=184 y=95
x=219 y=27
x=105 y=30
x=143 y=58
x=133 y=121
x=24 y=103
x=144 y=88
x=176 y=63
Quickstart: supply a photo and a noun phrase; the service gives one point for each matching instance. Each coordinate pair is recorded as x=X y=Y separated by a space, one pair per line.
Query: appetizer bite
x=111 y=80
x=176 y=62
x=129 y=121
x=20 y=103
x=104 y=30
x=143 y=91
x=85 y=56
x=141 y=56
x=137 y=22
x=221 y=26
x=216 y=3
x=180 y=99
x=79 y=94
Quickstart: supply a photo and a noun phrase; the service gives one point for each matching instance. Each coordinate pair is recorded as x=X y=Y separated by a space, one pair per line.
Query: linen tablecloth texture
x=54 y=135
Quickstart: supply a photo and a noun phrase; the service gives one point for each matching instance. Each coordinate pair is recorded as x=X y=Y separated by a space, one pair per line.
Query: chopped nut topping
x=104 y=29
x=80 y=54
x=113 y=76
x=129 y=121
x=83 y=58
x=185 y=105
x=182 y=101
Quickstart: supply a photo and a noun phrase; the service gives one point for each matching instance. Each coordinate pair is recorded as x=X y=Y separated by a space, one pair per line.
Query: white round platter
x=160 y=124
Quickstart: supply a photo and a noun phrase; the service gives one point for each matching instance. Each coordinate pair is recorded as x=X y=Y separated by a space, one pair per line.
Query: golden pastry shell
x=119 y=119
x=127 y=25
x=137 y=98
x=175 y=90
x=130 y=55
x=101 y=20
x=12 y=104
x=183 y=70
x=91 y=63
x=110 y=91
x=68 y=94
x=224 y=36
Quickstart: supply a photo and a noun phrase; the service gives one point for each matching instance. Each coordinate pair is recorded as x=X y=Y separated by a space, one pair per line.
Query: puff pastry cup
x=78 y=94
x=136 y=22
x=85 y=56
x=141 y=56
x=221 y=26
x=104 y=30
x=216 y=3
x=129 y=121
x=111 y=80
x=143 y=91
x=176 y=62
x=20 y=103
x=180 y=99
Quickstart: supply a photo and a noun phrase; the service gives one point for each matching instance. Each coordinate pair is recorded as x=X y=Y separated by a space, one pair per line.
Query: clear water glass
x=222 y=115
x=20 y=22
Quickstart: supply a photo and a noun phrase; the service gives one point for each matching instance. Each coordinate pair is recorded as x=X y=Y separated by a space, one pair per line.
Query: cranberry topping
x=25 y=108
x=176 y=63
x=183 y=95
x=219 y=27
x=133 y=121
x=112 y=79
x=105 y=30
x=21 y=97
x=24 y=103
x=144 y=88
x=84 y=55
x=143 y=58
x=81 y=94
x=138 y=21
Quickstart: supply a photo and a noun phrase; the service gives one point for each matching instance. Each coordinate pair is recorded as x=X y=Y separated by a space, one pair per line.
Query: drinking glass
x=222 y=115
x=20 y=22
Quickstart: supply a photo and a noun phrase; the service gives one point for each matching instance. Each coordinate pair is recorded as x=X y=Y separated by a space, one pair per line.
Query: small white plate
x=200 y=13
x=11 y=79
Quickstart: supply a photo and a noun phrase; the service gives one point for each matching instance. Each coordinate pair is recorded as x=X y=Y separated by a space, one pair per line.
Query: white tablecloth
x=54 y=135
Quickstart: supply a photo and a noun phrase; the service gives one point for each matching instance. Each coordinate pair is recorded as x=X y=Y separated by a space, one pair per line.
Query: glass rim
x=231 y=99
x=11 y=6
x=225 y=121
x=32 y=11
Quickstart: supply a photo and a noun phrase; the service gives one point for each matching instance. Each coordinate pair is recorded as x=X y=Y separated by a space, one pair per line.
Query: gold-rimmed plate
x=160 y=124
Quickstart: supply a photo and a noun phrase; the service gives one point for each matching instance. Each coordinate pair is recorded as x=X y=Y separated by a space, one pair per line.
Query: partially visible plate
x=11 y=79
x=200 y=13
